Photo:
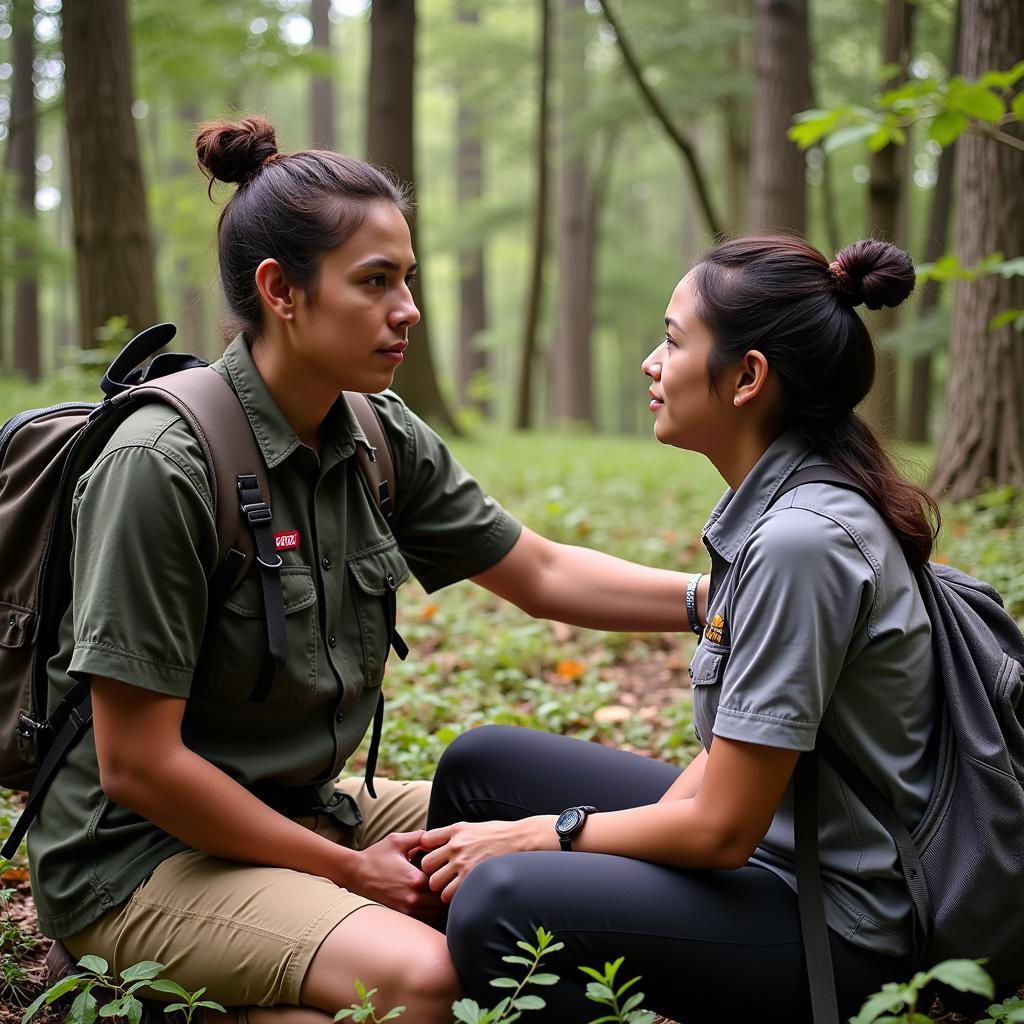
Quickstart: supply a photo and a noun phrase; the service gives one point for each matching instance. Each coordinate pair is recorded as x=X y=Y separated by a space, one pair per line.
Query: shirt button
x=332 y=641
x=325 y=562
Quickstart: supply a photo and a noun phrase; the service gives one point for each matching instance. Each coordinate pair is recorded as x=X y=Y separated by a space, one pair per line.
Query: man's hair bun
x=233 y=151
x=874 y=272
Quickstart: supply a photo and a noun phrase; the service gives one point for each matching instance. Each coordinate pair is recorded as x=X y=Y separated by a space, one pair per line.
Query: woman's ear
x=278 y=296
x=752 y=378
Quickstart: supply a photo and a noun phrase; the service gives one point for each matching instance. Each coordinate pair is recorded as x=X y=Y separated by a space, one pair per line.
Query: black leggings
x=710 y=945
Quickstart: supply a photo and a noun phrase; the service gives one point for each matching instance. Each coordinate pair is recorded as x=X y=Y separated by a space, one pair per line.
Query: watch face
x=568 y=821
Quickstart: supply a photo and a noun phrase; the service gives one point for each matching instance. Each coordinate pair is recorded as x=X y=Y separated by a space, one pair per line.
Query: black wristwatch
x=570 y=823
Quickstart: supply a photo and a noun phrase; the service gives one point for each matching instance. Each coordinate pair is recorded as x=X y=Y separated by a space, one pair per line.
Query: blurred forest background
x=570 y=157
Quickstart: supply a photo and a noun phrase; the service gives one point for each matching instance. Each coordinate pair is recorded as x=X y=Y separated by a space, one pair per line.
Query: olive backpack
x=44 y=452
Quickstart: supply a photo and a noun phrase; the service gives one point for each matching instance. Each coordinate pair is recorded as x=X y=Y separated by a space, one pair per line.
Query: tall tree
x=389 y=142
x=113 y=247
x=21 y=163
x=887 y=206
x=572 y=362
x=983 y=439
x=528 y=347
x=322 y=105
x=920 y=394
x=778 y=189
x=469 y=160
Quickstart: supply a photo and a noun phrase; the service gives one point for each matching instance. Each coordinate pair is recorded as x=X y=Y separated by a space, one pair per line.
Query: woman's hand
x=456 y=849
x=385 y=873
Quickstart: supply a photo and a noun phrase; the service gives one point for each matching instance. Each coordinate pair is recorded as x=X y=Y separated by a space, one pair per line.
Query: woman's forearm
x=589 y=588
x=689 y=782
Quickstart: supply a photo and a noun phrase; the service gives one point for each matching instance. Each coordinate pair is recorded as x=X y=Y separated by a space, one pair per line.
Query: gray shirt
x=815 y=623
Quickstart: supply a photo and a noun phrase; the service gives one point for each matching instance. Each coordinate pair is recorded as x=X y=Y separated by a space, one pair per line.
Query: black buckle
x=257 y=512
x=27 y=732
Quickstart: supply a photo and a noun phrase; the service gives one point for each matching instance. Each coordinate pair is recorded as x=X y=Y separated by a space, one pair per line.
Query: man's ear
x=751 y=379
x=277 y=294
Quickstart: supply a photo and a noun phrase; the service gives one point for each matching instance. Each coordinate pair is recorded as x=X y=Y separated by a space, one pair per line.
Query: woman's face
x=687 y=414
x=355 y=331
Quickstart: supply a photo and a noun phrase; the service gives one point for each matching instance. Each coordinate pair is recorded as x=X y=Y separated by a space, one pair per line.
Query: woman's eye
x=378 y=280
x=410 y=279
x=669 y=342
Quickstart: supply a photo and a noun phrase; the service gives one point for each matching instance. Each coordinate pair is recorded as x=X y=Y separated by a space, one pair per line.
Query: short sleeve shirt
x=816 y=623
x=145 y=546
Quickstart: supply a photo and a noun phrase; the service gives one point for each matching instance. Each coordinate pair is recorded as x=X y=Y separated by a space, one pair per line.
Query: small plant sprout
x=468 y=1011
x=364 y=1012
x=15 y=943
x=1009 y=1011
x=625 y=1009
x=884 y=1007
x=124 y=1004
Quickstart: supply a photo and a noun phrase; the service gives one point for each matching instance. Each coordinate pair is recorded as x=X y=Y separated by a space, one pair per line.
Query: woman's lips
x=396 y=352
x=656 y=403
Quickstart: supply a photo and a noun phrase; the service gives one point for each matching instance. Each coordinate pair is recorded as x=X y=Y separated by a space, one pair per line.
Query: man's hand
x=385 y=873
x=456 y=849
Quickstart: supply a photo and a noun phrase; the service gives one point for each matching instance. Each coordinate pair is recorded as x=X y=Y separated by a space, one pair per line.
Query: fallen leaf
x=15 y=874
x=570 y=670
x=429 y=611
x=612 y=713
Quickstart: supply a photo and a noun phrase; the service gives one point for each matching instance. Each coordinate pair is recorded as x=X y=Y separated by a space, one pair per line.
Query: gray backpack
x=963 y=862
x=43 y=452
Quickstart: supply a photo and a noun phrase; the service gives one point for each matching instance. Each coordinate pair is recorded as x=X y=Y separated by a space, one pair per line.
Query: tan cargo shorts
x=248 y=933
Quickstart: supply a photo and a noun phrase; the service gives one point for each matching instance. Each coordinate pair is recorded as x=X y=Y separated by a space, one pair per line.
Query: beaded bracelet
x=691 y=602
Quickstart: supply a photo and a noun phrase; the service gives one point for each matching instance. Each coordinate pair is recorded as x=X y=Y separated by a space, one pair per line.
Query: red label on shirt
x=287 y=540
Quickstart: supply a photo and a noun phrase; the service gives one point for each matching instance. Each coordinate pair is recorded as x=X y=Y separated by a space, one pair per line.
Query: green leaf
x=393 y=1013
x=1008 y=268
x=978 y=102
x=964 y=976
x=343 y=1014
x=96 y=964
x=847 y=136
x=114 y=1009
x=143 y=971
x=543 y=979
x=211 y=1004
x=874 y=1006
x=33 y=1008
x=1017 y=106
x=529 y=1002
x=947 y=127
x=504 y=983
x=633 y=1002
x=880 y=138
x=170 y=987
x=1008 y=316
x=513 y=959
x=65 y=985
x=175 y=1007
x=1003 y=79
x=83 y=1009
x=599 y=992
x=646 y=1017
x=590 y=972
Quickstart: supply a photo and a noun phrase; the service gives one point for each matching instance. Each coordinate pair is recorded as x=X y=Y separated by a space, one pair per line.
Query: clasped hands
x=454 y=850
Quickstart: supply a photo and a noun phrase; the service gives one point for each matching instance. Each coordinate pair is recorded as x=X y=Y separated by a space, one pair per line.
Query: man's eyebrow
x=383 y=263
x=669 y=322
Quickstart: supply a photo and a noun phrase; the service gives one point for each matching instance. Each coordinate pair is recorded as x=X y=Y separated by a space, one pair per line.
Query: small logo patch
x=287 y=540
x=715 y=629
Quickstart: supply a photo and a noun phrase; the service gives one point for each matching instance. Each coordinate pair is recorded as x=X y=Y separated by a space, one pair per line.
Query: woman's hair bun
x=874 y=272
x=234 y=151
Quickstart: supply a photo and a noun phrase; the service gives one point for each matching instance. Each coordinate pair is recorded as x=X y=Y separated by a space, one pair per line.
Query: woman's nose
x=651 y=366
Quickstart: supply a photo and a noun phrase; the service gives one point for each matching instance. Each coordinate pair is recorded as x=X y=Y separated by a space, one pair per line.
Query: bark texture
x=472 y=269
x=919 y=401
x=983 y=440
x=322 y=105
x=572 y=359
x=886 y=212
x=21 y=153
x=778 y=189
x=389 y=143
x=113 y=245
x=528 y=347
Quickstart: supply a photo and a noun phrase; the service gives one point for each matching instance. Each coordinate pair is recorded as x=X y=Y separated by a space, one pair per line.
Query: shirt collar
x=273 y=433
x=738 y=511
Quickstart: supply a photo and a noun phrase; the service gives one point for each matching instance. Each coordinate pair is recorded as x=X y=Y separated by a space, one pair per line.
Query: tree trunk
x=528 y=348
x=886 y=208
x=389 y=142
x=572 y=364
x=322 y=86
x=778 y=188
x=21 y=153
x=983 y=440
x=920 y=399
x=736 y=114
x=472 y=270
x=113 y=246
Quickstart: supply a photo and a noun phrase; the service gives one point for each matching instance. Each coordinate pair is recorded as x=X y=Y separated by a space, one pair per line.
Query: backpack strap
x=810 y=895
x=377 y=464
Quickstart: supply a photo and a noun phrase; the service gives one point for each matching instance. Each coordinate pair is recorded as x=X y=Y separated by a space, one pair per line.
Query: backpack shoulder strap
x=818 y=475
x=218 y=422
x=376 y=465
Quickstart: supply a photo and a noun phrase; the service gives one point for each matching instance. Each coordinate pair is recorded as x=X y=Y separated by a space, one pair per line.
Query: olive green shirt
x=145 y=546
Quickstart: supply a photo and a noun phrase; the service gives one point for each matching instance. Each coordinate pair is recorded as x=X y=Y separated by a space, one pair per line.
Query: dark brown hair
x=779 y=295
x=290 y=208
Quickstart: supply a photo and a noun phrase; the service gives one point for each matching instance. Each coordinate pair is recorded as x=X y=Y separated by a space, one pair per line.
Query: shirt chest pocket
x=707 y=669
x=234 y=655
x=374 y=577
